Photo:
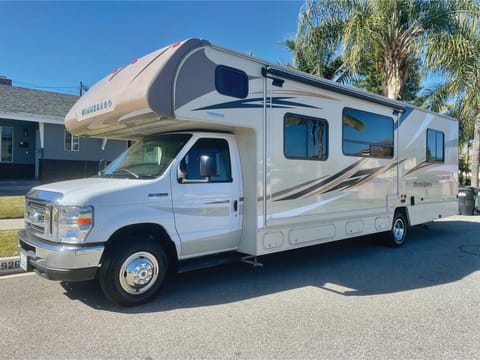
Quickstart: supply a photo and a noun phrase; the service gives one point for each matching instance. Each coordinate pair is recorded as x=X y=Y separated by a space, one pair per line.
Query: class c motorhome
x=233 y=155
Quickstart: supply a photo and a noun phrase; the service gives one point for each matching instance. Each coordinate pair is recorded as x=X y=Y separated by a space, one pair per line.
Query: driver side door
x=206 y=197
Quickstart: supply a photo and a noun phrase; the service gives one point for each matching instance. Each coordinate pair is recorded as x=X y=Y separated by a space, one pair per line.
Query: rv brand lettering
x=215 y=114
x=107 y=104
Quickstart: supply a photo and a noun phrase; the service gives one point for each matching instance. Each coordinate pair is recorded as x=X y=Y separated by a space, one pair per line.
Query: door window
x=208 y=161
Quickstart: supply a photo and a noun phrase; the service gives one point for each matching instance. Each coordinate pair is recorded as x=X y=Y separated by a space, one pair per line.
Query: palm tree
x=393 y=33
x=401 y=31
x=461 y=64
x=372 y=79
x=316 y=47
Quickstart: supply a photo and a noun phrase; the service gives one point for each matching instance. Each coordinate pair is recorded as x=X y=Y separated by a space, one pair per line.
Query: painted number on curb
x=10 y=265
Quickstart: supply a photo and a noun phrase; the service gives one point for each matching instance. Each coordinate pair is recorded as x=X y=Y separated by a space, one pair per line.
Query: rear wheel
x=397 y=235
x=132 y=272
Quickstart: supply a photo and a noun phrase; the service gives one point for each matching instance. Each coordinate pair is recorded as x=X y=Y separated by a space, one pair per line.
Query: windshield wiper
x=129 y=172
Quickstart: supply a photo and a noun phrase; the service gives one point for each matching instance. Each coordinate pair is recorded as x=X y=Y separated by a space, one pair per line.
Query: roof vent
x=5 y=81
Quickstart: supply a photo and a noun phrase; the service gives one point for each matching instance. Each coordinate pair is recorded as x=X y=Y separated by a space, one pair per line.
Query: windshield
x=148 y=158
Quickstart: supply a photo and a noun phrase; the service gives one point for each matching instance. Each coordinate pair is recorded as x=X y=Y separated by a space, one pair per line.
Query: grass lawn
x=8 y=243
x=12 y=207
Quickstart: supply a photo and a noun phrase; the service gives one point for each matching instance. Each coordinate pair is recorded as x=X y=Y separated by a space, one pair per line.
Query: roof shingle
x=35 y=102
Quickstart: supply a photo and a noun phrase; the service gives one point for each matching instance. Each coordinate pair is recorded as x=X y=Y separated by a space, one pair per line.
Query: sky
x=56 y=45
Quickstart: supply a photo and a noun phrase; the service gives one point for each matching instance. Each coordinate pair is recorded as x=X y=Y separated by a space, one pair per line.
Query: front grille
x=37 y=217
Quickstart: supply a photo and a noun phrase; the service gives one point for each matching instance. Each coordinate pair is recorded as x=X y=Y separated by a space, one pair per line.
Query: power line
x=44 y=86
x=65 y=89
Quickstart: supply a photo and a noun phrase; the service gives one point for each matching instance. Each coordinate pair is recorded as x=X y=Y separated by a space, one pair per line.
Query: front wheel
x=397 y=235
x=132 y=272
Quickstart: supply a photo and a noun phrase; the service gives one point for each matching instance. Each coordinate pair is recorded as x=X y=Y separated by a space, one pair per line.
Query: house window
x=231 y=82
x=367 y=134
x=72 y=143
x=305 y=137
x=435 y=146
x=6 y=144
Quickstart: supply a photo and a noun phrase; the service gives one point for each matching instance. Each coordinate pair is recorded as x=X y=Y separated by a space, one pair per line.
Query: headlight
x=72 y=223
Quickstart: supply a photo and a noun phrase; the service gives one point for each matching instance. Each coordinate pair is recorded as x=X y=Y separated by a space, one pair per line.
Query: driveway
x=348 y=300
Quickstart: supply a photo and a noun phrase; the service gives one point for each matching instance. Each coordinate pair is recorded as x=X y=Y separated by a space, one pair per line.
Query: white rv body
x=301 y=171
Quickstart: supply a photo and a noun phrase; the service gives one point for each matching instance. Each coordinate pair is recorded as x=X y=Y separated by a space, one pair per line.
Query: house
x=34 y=144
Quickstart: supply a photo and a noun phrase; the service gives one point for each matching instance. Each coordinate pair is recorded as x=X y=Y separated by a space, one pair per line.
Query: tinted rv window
x=435 y=146
x=231 y=82
x=367 y=134
x=305 y=138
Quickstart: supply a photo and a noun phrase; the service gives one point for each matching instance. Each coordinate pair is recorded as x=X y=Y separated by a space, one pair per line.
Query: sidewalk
x=16 y=187
x=11 y=224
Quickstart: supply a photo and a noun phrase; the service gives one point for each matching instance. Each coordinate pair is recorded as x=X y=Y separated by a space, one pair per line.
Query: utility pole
x=83 y=88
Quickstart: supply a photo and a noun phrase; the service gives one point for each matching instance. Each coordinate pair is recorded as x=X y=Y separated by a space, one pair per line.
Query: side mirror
x=208 y=166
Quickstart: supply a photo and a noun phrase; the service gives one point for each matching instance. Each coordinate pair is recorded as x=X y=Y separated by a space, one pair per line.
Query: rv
x=233 y=156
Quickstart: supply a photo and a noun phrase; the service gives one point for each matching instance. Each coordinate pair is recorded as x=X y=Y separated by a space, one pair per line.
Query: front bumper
x=59 y=261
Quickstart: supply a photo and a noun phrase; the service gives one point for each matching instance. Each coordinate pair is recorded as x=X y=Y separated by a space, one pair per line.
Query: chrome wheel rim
x=398 y=231
x=138 y=273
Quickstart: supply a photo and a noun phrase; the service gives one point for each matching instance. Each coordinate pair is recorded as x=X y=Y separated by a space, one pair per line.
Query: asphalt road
x=347 y=300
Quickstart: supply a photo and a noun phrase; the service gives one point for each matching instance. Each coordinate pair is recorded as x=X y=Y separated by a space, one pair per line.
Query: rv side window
x=435 y=146
x=208 y=161
x=231 y=82
x=367 y=134
x=305 y=137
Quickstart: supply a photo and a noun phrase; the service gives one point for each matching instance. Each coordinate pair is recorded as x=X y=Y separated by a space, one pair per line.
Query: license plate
x=23 y=261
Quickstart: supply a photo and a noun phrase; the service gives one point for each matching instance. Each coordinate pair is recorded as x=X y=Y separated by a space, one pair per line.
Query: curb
x=10 y=266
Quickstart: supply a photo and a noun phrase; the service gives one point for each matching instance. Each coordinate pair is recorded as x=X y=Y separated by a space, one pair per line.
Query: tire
x=397 y=235
x=132 y=272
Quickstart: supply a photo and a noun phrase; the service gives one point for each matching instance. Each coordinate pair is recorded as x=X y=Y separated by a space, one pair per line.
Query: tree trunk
x=393 y=88
x=393 y=79
x=476 y=152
